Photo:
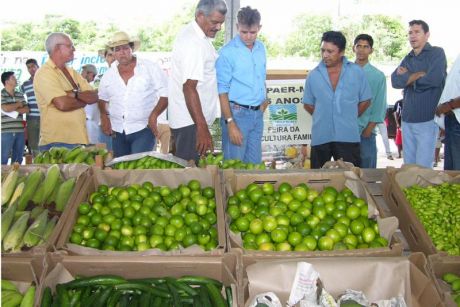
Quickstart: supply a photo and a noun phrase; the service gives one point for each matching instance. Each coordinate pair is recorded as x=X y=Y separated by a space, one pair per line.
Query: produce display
x=112 y=290
x=11 y=296
x=80 y=154
x=438 y=209
x=143 y=216
x=31 y=206
x=454 y=282
x=147 y=162
x=301 y=219
x=218 y=160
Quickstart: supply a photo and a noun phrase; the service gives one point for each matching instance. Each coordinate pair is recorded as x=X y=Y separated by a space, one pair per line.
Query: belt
x=255 y=108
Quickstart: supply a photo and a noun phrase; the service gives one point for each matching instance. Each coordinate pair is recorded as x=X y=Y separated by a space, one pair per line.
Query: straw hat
x=122 y=38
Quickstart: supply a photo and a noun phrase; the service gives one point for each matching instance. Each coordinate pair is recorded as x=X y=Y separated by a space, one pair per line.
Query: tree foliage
x=388 y=32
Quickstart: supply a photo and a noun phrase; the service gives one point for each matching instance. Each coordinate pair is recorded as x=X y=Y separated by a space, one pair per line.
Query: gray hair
x=89 y=68
x=209 y=6
x=53 y=39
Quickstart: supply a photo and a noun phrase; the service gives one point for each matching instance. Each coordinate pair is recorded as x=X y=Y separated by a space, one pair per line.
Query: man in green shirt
x=13 y=106
x=363 y=47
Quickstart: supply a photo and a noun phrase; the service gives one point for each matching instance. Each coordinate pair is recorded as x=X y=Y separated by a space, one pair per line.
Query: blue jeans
x=419 y=142
x=126 y=144
x=57 y=144
x=13 y=143
x=452 y=143
x=251 y=125
x=368 y=152
x=106 y=139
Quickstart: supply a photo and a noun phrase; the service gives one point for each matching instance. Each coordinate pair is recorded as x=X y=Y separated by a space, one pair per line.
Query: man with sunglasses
x=62 y=94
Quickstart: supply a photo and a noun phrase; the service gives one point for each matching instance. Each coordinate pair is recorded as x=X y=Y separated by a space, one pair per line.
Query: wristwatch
x=75 y=91
x=228 y=120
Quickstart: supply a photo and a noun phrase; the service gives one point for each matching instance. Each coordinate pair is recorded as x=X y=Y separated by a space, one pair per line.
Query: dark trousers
x=185 y=143
x=349 y=152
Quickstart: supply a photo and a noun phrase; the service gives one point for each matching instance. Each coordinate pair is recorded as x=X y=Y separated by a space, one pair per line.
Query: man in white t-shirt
x=133 y=87
x=193 y=98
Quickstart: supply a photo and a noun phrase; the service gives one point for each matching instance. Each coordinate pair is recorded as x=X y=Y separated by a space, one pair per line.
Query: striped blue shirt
x=241 y=72
x=422 y=96
x=28 y=89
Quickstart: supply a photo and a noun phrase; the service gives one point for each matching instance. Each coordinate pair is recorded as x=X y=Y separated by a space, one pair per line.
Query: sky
x=277 y=15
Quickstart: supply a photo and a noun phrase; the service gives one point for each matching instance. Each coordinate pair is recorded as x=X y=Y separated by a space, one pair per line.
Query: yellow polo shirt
x=55 y=125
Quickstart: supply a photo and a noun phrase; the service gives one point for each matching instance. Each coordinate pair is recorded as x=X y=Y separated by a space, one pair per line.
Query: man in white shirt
x=89 y=72
x=449 y=106
x=133 y=87
x=193 y=98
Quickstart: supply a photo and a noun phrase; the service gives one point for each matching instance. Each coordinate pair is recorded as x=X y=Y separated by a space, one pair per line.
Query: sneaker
x=390 y=157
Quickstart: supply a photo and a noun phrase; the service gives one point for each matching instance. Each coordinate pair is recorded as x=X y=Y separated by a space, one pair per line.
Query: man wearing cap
x=62 y=95
x=132 y=87
x=89 y=72
x=193 y=98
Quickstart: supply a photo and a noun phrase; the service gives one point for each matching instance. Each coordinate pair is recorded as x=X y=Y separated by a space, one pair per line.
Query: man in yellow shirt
x=62 y=95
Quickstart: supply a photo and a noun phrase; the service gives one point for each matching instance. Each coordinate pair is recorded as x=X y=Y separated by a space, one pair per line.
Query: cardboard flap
x=379 y=278
x=414 y=174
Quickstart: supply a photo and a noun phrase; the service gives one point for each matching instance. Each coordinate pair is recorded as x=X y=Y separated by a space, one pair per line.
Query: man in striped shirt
x=33 y=118
x=13 y=106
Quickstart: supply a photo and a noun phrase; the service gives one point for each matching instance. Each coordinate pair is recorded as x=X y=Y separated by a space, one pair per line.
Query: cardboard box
x=23 y=272
x=378 y=277
x=67 y=171
x=440 y=265
x=394 y=181
x=62 y=268
x=171 y=178
x=233 y=180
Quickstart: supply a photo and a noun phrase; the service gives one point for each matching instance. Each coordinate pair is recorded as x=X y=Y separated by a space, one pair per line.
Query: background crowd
x=134 y=103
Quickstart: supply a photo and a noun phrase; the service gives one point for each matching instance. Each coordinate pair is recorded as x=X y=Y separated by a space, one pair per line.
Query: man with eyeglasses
x=131 y=88
x=62 y=95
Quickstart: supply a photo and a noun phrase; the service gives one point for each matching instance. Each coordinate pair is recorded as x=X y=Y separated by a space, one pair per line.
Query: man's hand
x=401 y=70
x=106 y=125
x=234 y=133
x=443 y=108
x=367 y=132
x=264 y=105
x=153 y=124
x=203 y=140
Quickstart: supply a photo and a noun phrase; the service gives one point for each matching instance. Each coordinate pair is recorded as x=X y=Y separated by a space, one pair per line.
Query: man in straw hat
x=132 y=87
x=193 y=98
x=62 y=95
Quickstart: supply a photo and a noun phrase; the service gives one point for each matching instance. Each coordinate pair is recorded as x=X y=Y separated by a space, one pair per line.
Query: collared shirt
x=193 y=58
x=452 y=88
x=241 y=72
x=10 y=124
x=58 y=126
x=421 y=97
x=335 y=118
x=28 y=88
x=131 y=104
x=377 y=110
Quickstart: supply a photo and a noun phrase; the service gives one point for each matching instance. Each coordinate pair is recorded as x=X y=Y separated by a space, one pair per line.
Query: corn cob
x=38 y=159
x=31 y=184
x=49 y=229
x=47 y=185
x=35 y=232
x=13 y=238
x=36 y=211
x=7 y=218
x=81 y=157
x=8 y=286
x=9 y=185
x=52 y=197
x=63 y=195
x=29 y=296
x=46 y=157
x=72 y=154
x=17 y=192
x=12 y=299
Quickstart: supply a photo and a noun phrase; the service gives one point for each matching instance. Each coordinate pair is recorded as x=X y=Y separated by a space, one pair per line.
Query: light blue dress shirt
x=241 y=72
x=335 y=118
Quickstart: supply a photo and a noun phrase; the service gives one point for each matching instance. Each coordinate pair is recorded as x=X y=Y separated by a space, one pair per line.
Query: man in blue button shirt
x=336 y=94
x=422 y=74
x=241 y=72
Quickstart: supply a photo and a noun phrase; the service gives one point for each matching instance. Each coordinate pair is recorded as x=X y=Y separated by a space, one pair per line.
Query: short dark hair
x=364 y=37
x=420 y=22
x=6 y=75
x=248 y=16
x=31 y=61
x=335 y=37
